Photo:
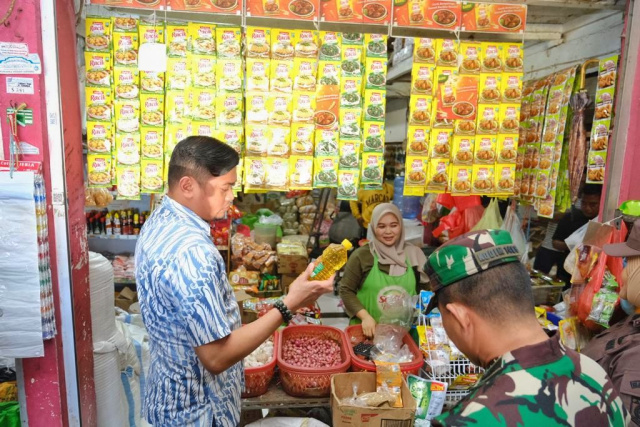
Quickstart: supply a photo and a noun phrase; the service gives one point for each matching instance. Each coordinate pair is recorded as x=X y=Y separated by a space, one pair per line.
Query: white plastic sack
x=513 y=225
x=577 y=237
x=287 y=422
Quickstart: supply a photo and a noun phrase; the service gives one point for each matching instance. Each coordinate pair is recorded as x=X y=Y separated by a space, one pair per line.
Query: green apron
x=379 y=286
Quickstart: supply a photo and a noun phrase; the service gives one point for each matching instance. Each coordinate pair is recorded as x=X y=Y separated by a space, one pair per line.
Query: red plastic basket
x=311 y=382
x=355 y=336
x=256 y=380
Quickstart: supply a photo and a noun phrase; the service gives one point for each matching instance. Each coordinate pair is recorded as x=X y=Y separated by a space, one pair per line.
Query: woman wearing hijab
x=383 y=267
x=617 y=349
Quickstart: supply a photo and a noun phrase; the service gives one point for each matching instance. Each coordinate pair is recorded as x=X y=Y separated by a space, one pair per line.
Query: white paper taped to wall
x=20 y=317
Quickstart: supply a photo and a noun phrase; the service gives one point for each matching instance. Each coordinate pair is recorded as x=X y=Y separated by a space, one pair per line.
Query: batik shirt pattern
x=544 y=384
x=186 y=301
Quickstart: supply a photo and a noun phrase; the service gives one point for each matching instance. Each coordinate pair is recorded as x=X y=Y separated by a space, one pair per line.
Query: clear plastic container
x=333 y=259
x=265 y=233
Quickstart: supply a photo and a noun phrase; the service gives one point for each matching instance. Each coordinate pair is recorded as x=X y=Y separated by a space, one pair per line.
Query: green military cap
x=466 y=255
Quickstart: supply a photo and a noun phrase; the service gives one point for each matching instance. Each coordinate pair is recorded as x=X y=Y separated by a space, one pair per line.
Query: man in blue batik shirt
x=196 y=340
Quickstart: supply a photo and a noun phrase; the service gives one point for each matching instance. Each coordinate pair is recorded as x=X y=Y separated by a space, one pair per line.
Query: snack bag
x=348 y=185
x=389 y=378
x=605 y=300
x=430 y=397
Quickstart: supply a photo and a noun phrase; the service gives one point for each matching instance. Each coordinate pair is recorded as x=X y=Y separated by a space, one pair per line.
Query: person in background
x=617 y=349
x=196 y=343
x=385 y=266
x=531 y=379
x=554 y=250
x=368 y=200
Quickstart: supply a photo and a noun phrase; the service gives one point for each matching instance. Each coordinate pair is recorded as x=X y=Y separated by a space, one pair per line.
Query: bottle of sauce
x=117 y=225
x=108 y=224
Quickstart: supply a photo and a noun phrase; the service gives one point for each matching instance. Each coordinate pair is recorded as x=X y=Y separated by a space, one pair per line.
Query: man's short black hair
x=201 y=157
x=592 y=190
x=497 y=294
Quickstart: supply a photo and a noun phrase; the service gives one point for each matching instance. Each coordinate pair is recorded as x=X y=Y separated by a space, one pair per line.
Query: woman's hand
x=368 y=323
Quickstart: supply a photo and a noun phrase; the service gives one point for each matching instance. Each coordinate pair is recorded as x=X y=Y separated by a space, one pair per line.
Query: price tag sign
x=20 y=85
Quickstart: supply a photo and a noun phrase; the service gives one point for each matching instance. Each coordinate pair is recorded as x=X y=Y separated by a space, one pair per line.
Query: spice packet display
x=124 y=24
x=389 y=379
x=597 y=161
x=258 y=42
x=277 y=174
x=375 y=73
x=461 y=179
x=202 y=38
x=507 y=148
x=418 y=140
x=128 y=148
x=302 y=139
x=152 y=110
x=151 y=179
x=257 y=137
x=151 y=82
x=374 y=105
x=229 y=75
x=173 y=134
x=257 y=112
x=151 y=140
x=307 y=44
x=512 y=87
x=424 y=51
x=464 y=127
x=330 y=46
x=228 y=42
x=438 y=176
x=176 y=108
x=373 y=135
x=98 y=68
x=255 y=173
x=128 y=182
x=203 y=129
x=202 y=70
x=350 y=92
x=279 y=109
x=177 y=39
x=463 y=150
x=280 y=142
x=490 y=89
x=99 y=137
x=99 y=103
x=98 y=34
x=420 y=110
x=441 y=141
x=505 y=179
x=375 y=45
x=487 y=121
x=99 y=170
x=509 y=118
x=416 y=173
x=485 y=149
x=470 y=58
x=348 y=184
x=229 y=109
x=232 y=136
x=325 y=171
x=281 y=76
x=447 y=51
x=203 y=107
x=304 y=106
x=483 y=179
x=422 y=76
x=127 y=115
x=430 y=397
x=126 y=82
x=351 y=64
x=491 y=54
x=329 y=73
x=353 y=39
x=305 y=73
x=282 y=44
x=350 y=128
x=301 y=168
x=258 y=74
x=372 y=169
x=326 y=143
x=349 y=154
x=151 y=32
x=513 y=57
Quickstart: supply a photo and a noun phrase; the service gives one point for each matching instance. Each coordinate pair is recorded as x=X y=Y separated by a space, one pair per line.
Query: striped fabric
x=186 y=301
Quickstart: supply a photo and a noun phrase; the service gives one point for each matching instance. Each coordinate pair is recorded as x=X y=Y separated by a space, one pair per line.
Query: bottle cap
x=347 y=244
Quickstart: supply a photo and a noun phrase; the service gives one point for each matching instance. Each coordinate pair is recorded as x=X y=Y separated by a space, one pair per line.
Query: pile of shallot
x=312 y=352
x=260 y=356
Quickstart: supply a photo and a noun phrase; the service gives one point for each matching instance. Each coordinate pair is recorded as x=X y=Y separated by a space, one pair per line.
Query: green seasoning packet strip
x=429 y=396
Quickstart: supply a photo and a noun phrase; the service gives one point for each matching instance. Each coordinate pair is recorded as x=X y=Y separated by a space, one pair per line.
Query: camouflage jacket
x=544 y=384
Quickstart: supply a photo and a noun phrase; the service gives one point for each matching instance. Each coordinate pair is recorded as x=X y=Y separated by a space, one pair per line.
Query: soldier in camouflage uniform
x=484 y=296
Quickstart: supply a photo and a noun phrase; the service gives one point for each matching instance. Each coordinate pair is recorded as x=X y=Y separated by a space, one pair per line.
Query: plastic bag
x=389 y=378
x=471 y=217
x=370 y=399
x=271 y=219
x=398 y=310
x=403 y=355
x=577 y=237
x=452 y=223
x=604 y=301
x=491 y=218
x=513 y=225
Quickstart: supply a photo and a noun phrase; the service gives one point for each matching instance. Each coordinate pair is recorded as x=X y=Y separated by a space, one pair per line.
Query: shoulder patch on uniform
x=610 y=344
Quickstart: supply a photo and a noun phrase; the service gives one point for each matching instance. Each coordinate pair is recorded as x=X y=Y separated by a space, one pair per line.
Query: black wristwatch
x=282 y=308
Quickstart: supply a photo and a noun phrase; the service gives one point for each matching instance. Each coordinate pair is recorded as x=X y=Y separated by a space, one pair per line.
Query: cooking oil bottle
x=331 y=260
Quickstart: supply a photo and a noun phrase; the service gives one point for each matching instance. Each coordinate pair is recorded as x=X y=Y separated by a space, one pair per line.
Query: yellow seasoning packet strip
x=173 y=134
x=373 y=137
x=447 y=52
x=280 y=142
x=487 y=120
x=99 y=170
x=305 y=71
x=350 y=92
x=306 y=44
x=513 y=57
x=98 y=104
x=237 y=187
x=152 y=110
x=202 y=71
x=176 y=107
x=422 y=79
x=232 y=136
x=490 y=88
x=255 y=173
x=258 y=73
x=178 y=75
x=304 y=106
x=389 y=378
x=126 y=82
x=229 y=107
x=416 y=171
x=257 y=112
x=151 y=32
x=375 y=74
x=228 y=42
x=202 y=38
x=282 y=44
x=463 y=150
x=349 y=154
x=203 y=105
x=127 y=115
x=258 y=42
x=348 y=185
x=438 y=178
x=509 y=117
x=128 y=148
x=470 y=52
x=441 y=141
x=128 y=182
x=461 y=179
x=151 y=140
x=302 y=139
x=124 y=24
x=352 y=61
x=350 y=123
x=505 y=176
x=485 y=149
x=279 y=108
x=152 y=82
x=418 y=139
x=277 y=174
x=99 y=137
x=507 y=148
x=491 y=57
x=372 y=169
x=125 y=50
x=98 y=34
x=257 y=137
x=151 y=180
x=375 y=45
x=301 y=168
x=281 y=76
x=483 y=179
x=424 y=51
x=325 y=172
x=326 y=143
x=329 y=73
x=420 y=110
x=98 y=69
x=177 y=39
x=229 y=75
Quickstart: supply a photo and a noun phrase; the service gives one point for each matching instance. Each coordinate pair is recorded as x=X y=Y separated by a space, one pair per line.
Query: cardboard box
x=125 y=298
x=292 y=262
x=287 y=280
x=342 y=387
x=247 y=316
